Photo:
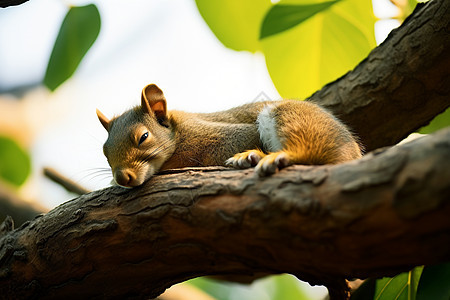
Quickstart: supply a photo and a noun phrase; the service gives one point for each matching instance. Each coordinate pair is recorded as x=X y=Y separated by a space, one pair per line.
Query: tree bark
x=375 y=216
x=402 y=85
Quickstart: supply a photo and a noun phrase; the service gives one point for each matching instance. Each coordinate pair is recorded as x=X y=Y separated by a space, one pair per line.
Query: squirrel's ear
x=104 y=120
x=153 y=100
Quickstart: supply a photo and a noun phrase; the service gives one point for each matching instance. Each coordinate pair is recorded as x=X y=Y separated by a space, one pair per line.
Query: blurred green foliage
x=439 y=122
x=287 y=287
x=278 y=287
x=401 y=287
x=421 y=283
x=235 y=23
x=77 y=34
x=306 y=43
x=15 y=164
x=304 y=58
x=283 y=17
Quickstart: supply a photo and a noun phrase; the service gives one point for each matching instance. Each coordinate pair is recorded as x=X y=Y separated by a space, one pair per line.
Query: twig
x=65 y=182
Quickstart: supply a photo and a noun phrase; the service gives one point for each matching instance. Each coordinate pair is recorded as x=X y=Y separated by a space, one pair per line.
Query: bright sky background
x=141 y=42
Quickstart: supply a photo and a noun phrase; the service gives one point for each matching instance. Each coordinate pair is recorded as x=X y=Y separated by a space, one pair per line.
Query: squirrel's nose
x=124 y=177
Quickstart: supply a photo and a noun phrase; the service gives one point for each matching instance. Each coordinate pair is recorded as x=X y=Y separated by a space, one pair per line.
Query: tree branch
x=12 y=205
x=376 y=216
x=67 y=183
x=402 y=85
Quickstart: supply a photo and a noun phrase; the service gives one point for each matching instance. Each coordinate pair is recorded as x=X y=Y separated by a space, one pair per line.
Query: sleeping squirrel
x=269 y=135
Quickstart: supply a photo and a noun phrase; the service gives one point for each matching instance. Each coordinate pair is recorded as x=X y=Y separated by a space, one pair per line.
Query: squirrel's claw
x=271 y=163
x=266 y=164
x=245 y=159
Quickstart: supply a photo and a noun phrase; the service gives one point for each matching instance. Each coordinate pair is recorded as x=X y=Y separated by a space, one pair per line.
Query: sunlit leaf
x=434 y=283
x=78 y=32
x=235 y=23
x=287 y=288
x=319 y=50
x=411 y=4
x=282 y=17
x=400 y=287
x=439 y=122
x=15 y=163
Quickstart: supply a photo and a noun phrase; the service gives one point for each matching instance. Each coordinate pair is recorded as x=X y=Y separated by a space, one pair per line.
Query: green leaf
x=218 y=290
x=411 y=4
x=286 y=287
x=15 y=165
x=282 y=17
x=434 y=283
x=235 y=23
x=440 y=121
x=78 y=32
x=321 y=49
x=279 y=287
x=400 y=287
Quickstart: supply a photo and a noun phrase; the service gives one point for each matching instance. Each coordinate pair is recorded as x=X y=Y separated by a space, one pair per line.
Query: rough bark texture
x=402 y=85
x=373 y=217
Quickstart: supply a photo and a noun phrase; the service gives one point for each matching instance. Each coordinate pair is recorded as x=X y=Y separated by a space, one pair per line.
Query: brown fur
x=209 y=139
x=312 y=136
x=308 y=135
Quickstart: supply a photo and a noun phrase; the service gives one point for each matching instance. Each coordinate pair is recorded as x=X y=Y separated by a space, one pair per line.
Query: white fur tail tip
x=267 y=129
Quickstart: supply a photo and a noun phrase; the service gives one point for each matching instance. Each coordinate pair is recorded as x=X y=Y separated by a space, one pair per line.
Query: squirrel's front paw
x=245 y=159
x=272 y=162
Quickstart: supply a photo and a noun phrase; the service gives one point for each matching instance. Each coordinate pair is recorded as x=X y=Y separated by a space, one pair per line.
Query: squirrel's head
x=140 y=140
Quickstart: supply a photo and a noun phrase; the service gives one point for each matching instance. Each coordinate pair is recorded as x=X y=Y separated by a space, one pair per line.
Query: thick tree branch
x=373 y=217
x=402 y=85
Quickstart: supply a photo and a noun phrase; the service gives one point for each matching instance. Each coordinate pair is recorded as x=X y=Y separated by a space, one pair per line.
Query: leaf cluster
x=306 y=44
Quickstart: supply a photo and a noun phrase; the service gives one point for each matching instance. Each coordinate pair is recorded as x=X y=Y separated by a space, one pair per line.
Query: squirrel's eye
x=143 y=138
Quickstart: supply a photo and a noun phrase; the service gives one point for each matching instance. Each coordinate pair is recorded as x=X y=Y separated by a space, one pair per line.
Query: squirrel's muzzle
x=126 y=178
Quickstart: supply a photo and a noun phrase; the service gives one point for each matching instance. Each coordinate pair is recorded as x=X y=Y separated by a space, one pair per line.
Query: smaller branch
x=19 y=209
x=65 y=182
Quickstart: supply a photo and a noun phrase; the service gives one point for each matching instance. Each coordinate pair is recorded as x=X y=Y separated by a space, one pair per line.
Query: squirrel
x=267 y=135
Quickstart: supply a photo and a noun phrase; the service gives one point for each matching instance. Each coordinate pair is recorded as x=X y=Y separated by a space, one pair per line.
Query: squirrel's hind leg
x=245 y=159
